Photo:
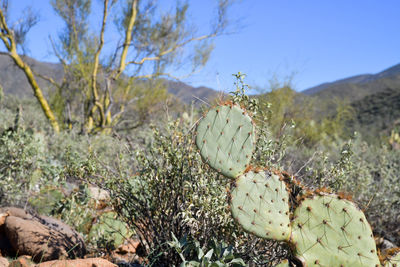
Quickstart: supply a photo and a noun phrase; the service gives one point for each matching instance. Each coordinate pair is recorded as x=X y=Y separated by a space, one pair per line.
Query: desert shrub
x=168 y=189
x=368 y=173
x=374 y=179
x=216 y=254
x=24 y=169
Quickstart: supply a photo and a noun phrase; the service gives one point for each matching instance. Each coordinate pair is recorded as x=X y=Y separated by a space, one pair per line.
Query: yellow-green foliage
x=283 y=108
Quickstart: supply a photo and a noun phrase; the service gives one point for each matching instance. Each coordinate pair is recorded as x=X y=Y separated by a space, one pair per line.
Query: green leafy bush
x=23 y=170
x=168 y=189
x=216 y=254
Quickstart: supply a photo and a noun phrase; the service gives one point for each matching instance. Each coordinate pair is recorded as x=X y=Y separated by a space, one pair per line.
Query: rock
x=3 y=262
x=67 y=233
x=42 y=237
x=128 y=253
x=98 y=193
x=5 y=246
x=100 y=198
x=29 y=237
x=130 y=247
x=3 y=217
x=17 y=212
x=92 y=262
x=22 y=261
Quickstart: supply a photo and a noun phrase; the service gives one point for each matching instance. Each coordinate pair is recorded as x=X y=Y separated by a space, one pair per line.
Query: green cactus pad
x=260 y=204
x=284 y=263
x=110 y=229
x=328 y=231
x=225 y=138
x=393 y=261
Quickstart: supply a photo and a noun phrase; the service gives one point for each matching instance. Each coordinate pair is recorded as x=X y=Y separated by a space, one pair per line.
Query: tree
x=13 y=37
x=115 y=81
x=103 y=86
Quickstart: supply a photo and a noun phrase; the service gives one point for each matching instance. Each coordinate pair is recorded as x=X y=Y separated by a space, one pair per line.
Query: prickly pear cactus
x=260 y=203
x=110 y=229
x=328 y=231
x=393 y=259
x=284 y=263
x=225 y=138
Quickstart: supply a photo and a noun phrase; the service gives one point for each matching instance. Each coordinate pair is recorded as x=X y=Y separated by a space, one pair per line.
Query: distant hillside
x=188 y=94
x=357 y=87
x=375 y=99
x=14 y=82
x=377 y=113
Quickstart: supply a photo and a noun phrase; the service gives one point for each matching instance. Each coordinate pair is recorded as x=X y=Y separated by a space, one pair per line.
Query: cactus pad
x=328 y=231
x=284 y=263
x=110 y=229
x=393 y=260
x=260 y=204
x=226 y=138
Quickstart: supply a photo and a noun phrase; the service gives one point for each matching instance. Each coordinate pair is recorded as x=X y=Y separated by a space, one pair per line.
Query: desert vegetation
x=108 y=151
x=161 y=191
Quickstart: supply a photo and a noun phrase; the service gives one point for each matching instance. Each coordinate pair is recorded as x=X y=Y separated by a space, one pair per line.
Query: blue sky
x=312 y=41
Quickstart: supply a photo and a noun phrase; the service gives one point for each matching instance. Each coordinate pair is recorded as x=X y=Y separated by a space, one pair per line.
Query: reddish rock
x=3 y=262
x=92 y=262
x=128 y=252
x=3 y=217
x=23 y=261
x=32 y=238
x=5 y=246
x=42 y=237
x=130 y=247
x=16 y=212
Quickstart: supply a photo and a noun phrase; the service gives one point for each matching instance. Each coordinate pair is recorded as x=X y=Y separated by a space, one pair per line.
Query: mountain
x=357 y=87
x=188 y=94
x=374 y=99
x=380 y=110
x=14 y=82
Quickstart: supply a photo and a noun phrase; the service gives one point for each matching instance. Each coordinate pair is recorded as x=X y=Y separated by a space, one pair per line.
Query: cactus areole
x=226 y=138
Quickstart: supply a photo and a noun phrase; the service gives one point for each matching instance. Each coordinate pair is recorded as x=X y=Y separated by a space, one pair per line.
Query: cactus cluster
x=322 y=228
